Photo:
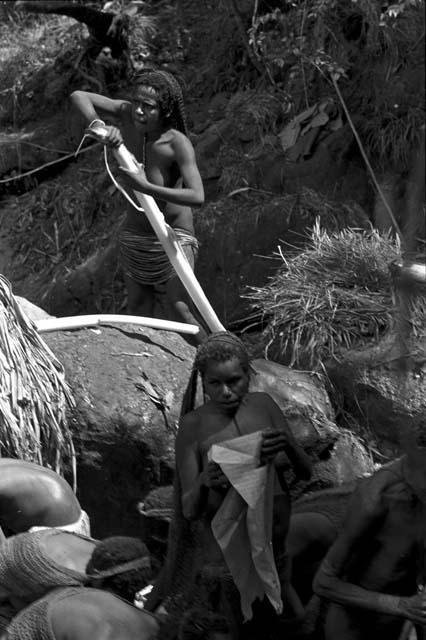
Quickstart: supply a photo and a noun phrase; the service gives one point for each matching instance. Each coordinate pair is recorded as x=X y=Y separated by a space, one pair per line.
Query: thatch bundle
x=335 y=295
x=33 y=392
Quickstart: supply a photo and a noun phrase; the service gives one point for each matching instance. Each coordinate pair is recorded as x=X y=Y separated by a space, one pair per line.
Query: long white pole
x=45 y=325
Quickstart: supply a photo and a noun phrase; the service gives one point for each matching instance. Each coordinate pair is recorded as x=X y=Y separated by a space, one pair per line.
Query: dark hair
x=220 y=347
x=197 y=624
x=114 y=551
x=170 y=97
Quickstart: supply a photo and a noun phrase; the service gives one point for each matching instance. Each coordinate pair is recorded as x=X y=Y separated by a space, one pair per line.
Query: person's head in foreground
x=199 y=624
x=120 y=564
x=224 y=365
x=157 y=102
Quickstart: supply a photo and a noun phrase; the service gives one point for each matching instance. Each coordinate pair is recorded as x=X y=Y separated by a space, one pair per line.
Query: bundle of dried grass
x=333 y=296
x=33 y=392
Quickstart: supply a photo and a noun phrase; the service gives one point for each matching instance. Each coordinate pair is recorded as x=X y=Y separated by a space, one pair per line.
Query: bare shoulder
x=189 y=424
x=178 y=137
x=178 y=140
x=382 y=479
x=98 y=614
x=25 y=465
x=368 y=498
x=23 y=469
x=262 y=399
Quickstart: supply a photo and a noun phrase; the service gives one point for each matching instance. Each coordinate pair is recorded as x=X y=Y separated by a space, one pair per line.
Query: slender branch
x=366 y=160
x=47 y=164
x=302 y=26
x=30 y=144
x=243 y=33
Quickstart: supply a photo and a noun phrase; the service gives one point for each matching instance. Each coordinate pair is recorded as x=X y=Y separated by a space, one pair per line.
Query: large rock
x=384 y=395
x=124 y=439
x=303 y=400
x=337 y=455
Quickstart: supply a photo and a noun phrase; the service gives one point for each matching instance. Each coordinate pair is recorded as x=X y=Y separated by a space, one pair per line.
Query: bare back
x=82 y=614
x=99 y=615
x=31 y=495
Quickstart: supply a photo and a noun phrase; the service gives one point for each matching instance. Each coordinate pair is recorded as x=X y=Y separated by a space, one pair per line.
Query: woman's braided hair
x=170 y=96
x=219 y=347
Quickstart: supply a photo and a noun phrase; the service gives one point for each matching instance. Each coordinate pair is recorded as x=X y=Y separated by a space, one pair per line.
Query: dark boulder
x=123 y=428
x=385 y=395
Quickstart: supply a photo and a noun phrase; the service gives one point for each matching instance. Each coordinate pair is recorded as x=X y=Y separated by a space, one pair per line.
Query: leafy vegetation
x=33 y=393
x=334 y=295
x=376 y=51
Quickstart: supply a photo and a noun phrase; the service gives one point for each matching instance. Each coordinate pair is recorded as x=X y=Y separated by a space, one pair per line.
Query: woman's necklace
x=237 y=426
x=144 y=151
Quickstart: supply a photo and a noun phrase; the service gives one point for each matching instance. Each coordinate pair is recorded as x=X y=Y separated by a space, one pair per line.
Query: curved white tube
x=76 y=322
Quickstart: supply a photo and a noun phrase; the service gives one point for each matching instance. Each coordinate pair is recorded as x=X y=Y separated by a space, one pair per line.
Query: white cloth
x=81 y=526
x=243 y=524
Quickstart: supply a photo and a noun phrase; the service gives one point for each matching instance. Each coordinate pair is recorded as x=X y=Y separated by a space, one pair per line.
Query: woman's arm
x=93 y=106
x=280 y=440
x=188 y=467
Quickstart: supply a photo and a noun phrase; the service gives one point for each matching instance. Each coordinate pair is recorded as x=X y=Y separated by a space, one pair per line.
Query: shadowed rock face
x=303 y=399
x=337 y=454
x=385 y=395
x=124 y=439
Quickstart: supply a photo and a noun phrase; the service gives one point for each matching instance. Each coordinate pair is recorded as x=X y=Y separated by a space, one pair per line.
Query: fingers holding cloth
x=242 y=525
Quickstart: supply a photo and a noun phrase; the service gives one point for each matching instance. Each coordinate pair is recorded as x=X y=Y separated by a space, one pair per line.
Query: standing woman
x=152 y=126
